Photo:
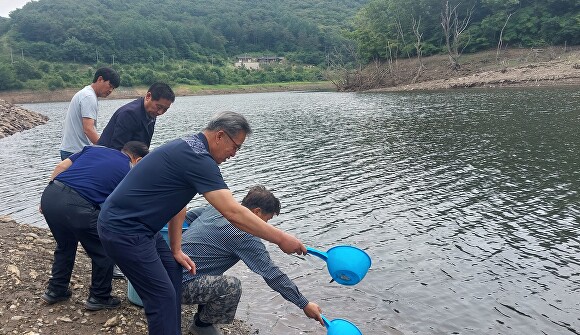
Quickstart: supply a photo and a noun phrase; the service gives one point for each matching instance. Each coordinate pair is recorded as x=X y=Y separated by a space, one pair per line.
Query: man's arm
x=90 y=130
x=174 y=228
x=247 y=221
x=60 y=168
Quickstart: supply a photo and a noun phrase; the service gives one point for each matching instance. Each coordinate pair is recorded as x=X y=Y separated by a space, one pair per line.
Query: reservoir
x=467 y=202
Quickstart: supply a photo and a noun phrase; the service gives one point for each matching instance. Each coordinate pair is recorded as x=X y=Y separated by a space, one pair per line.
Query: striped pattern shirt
x=215 y=245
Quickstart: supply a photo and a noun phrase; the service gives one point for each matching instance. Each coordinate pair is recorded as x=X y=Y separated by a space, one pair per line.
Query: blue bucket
x=165 y=231
x=346 y=264
x=340 y=327
x=131 y=293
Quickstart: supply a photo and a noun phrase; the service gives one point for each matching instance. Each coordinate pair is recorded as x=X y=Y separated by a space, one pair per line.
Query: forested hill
x=139 y=31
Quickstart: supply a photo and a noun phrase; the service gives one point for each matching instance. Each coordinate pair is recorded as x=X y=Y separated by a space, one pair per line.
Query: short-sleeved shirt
x=95 y=172
x=215 y=245
x=84 y=104
x=131 y=122
x=161 y=185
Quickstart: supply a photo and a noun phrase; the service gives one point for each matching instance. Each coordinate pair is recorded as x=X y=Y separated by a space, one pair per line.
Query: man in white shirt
x=80 y=122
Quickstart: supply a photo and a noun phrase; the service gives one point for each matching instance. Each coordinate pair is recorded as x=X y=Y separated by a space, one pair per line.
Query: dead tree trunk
x=453 y=28
x=500 y=42
x=418 y=48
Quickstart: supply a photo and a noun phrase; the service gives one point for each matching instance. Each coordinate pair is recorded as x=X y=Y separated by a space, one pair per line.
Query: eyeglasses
x=238 y=146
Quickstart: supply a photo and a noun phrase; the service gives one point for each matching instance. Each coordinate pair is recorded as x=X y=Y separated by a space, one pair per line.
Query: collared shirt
x=161 y=185
x=215 y=245
x=130 y=122
x=95 y=172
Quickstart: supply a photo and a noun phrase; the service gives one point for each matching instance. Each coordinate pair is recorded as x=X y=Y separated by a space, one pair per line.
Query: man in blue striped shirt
x=215 y=245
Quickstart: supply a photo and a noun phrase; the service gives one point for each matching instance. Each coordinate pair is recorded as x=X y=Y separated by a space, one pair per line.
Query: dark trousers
x=72 y=219
x=148 y=264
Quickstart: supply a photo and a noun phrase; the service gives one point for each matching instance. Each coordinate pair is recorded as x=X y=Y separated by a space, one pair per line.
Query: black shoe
x=96 y=304
x=52 y=297
x=117 y=273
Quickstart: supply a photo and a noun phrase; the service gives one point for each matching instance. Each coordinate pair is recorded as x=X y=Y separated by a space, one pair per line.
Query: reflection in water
x=467 y=201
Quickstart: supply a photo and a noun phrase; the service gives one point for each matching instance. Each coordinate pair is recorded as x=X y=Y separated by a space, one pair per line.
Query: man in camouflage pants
x=215 y=245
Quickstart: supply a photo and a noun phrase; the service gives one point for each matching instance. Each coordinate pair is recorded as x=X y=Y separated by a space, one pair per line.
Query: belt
x=58 y=183
x=65 y=186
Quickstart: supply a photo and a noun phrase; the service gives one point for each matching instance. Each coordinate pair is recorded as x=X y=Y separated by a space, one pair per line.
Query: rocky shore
x=25 y=265
x=14 y=119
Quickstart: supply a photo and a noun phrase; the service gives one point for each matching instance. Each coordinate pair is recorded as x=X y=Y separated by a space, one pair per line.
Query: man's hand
x=313 y=311
x=290 y=244
x=185 y=261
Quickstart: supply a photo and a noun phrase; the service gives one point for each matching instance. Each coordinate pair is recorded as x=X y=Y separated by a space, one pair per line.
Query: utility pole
x=97 y=51
x=11 y=56
x=163 y=54
x=113 y=60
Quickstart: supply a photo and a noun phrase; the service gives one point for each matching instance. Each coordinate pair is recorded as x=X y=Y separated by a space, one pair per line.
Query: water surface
x=467 y=202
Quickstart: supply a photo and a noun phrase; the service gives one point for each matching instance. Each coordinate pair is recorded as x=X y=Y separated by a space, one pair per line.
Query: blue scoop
x=340 y=327
x=346 y=264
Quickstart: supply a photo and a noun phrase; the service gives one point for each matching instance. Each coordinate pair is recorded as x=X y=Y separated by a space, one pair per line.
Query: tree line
x=385 y=29
x=58 y=43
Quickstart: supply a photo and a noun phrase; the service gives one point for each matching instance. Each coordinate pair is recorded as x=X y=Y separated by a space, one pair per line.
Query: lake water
x=467 y=202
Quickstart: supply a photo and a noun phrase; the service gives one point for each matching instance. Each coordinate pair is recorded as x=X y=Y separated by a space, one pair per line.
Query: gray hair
x=230 y=122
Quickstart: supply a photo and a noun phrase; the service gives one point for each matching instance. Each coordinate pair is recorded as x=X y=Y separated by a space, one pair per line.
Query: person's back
x=83 y=105
x=96 y=172
x=79 y=127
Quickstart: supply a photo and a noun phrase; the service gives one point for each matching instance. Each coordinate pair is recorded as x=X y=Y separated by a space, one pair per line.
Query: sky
x=6 y=6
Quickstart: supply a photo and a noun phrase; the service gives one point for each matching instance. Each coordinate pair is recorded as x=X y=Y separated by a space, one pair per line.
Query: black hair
x=161 y=91
x=136 y=149
x=109 y=75
x=260 y=197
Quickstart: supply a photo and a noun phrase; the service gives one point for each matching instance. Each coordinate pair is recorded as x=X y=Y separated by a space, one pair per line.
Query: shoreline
x=26 y=267
x=515 y=67
x=65 y=95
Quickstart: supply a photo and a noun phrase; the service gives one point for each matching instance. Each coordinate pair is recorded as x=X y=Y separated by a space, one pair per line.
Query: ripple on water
x=467 y=202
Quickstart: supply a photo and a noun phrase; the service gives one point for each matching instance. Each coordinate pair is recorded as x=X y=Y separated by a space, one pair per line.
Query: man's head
x=262 y=203
x=135 y=150
x=105 y=81
x=225 y=133
x=158 y=99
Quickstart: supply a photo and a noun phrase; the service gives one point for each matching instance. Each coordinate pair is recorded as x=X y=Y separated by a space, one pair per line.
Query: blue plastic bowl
x=131 y=293
x=346 y=264
x=340 y=327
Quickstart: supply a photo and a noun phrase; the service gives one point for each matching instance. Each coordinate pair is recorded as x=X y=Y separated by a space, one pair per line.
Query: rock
x=33 y=235
x=14 y=269
x=17 y=318
x=112 y=322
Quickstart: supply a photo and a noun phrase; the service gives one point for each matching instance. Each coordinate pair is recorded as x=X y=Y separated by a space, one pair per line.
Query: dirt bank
x=512 y=68
x=25 y=264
